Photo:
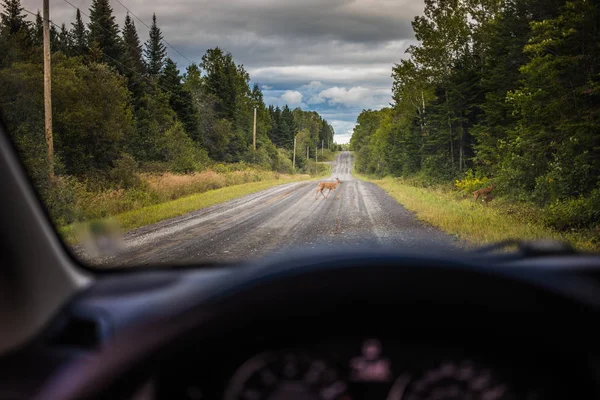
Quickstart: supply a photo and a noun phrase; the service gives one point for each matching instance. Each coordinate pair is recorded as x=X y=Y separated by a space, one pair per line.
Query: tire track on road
x=281 y=218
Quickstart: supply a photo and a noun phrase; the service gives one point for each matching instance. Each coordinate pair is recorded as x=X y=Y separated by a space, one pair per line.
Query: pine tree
x=65 y=43
x=38 y=30
x=135 y=64
x=105 y=32
x=155 y=50
x=133 y=48
x=79 y=35
x=12 y=19
x=179 y=99
x=54 y=38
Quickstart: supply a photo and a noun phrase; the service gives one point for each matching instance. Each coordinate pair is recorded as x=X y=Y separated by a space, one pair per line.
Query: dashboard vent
x=78 y=332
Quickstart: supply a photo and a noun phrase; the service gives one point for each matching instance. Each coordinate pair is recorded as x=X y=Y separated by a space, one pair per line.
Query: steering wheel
x=333 y=282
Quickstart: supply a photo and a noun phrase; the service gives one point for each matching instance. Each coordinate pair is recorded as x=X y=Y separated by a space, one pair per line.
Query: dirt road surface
x=280 y=218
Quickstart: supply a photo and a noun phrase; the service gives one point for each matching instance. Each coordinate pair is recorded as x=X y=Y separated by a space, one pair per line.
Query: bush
x=437 y=169
x=582 y=212
x=282 y=163
x=124 y=173
x=181 y=152
x=260 y=158
x=60 y=198
x=470 y=183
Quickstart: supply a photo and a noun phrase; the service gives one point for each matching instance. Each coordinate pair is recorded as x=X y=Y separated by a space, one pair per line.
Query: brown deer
x=484 y=192
x=327 y=185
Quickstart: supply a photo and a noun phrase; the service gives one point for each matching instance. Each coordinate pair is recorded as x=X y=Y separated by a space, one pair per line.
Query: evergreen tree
x=79 y=36
x=155 y=51
x=136 y=68
x=179 y=99
x=133 y=48
x=12 y=19
x=38 y=30
x=104 y=32
x=65 y=43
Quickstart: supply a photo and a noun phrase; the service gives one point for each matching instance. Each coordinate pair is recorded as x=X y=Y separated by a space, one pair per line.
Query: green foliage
x=578 y=213
x=155 y=51
x=508 y=91
x=119 y=109
x=104 y=33
x=181 y=153
x=124 y=173
x=470 y=183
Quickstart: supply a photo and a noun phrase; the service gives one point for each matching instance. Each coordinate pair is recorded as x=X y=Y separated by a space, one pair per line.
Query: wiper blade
x=532 y=248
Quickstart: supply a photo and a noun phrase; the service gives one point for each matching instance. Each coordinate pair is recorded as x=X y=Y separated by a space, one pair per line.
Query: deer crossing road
x=280 y=218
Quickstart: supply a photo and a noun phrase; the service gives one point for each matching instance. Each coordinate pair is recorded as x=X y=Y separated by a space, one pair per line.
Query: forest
x=120 y=107
x=503 y=92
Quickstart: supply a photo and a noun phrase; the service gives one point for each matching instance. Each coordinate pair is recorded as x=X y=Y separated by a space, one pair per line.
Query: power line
x=100 y=26
x=120 y=63
x=146 y=25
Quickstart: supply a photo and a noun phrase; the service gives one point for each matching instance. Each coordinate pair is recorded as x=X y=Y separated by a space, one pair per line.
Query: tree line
x=120 y=105
x=502 y=89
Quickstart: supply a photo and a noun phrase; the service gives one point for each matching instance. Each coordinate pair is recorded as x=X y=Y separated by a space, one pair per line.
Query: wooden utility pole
x=317 y=160
x=294 y=157
x=253 y=129
x=47 y=91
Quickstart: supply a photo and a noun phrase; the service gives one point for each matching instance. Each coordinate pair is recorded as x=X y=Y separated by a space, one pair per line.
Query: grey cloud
x=320 y=49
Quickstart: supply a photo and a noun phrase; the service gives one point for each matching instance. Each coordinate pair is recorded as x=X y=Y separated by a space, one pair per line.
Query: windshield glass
x=186 y=132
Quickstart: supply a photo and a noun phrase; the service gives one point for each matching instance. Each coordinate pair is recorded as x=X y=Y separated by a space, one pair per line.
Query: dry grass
x=158 y=212
x=168 y=186
x=158 y=197
x=475 y=223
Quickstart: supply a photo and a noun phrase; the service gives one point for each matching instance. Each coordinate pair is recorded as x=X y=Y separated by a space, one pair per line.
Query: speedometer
x=287 y=375
x=451 y=381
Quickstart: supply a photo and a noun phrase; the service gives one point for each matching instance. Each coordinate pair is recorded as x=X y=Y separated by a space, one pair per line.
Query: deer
x=484 y=192
x=327 y=185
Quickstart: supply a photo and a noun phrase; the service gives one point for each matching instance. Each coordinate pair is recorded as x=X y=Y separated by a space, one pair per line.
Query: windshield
x=221 y=131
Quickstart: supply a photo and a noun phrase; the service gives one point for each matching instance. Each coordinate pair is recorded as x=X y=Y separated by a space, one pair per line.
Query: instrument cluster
x=366 y=368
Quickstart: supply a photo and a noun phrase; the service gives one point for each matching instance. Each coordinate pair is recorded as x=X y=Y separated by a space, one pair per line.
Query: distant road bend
x=279 y=218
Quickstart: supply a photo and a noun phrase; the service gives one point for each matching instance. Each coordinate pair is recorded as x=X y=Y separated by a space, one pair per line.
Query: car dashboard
x=383 y=332
x=368 y=367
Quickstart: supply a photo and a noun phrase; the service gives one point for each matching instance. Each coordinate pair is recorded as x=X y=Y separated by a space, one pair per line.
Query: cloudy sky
x=331 y=56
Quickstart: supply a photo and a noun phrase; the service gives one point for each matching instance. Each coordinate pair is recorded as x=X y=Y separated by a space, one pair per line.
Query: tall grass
x=476 y=222
x=154 y=213
x=156 y=188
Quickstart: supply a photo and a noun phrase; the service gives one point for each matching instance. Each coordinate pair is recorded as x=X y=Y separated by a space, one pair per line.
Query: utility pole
x=317 y=160
x=253 y=129
x=322 y=148
x=47 y=91
x=294 y=157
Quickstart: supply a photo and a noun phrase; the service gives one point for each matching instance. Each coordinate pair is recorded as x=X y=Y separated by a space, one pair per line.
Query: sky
x=331 y=56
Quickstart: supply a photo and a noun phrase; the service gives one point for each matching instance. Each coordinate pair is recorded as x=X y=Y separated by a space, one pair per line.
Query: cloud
x=297 y=75
x=337 y=95
x=292 y=97
x=334 y=58
x=343 y=130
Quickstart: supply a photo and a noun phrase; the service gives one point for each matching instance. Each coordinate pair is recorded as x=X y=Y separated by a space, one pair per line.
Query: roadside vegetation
x=495 y=93
x=478 y=223
x=130 y=128
x=167 y=196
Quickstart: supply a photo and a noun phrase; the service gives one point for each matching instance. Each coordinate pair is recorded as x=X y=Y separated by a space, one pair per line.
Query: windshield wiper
x=530 y=248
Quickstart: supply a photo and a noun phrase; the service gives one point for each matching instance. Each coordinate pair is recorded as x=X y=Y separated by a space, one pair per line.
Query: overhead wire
x=115 y=60
x=149 y=28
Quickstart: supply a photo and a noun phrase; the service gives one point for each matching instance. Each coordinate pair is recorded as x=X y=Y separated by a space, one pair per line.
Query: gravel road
x=282 y=217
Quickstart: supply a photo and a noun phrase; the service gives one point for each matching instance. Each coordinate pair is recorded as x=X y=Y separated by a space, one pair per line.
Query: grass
x=475 y=223
x=154 y=213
